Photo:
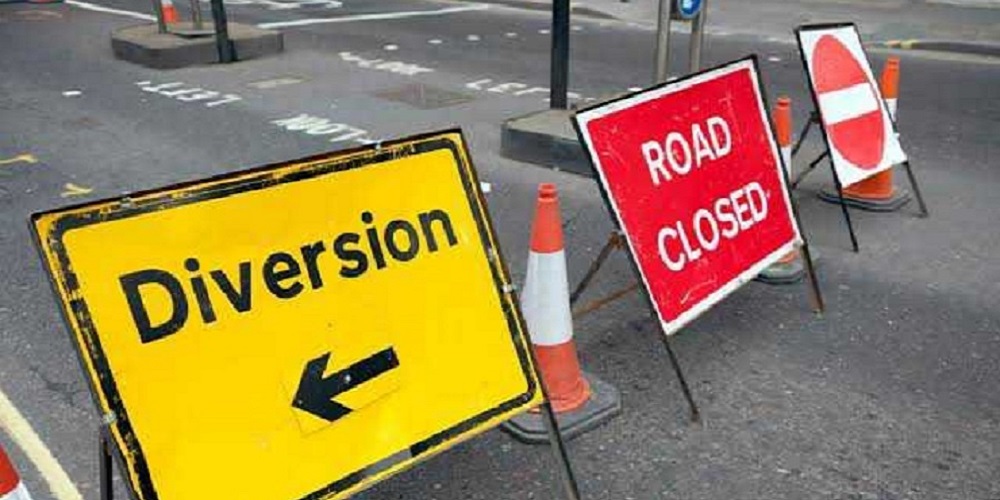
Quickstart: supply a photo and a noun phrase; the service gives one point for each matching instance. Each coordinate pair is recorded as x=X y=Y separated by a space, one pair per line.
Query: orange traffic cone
x=11 y=486
x=878 y=193
x=580 y=400
x=789 y=269
x=169 y=12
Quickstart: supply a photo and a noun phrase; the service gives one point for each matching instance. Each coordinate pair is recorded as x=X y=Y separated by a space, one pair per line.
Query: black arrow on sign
x=315 y=394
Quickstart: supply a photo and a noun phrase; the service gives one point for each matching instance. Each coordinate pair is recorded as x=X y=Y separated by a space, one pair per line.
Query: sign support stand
x=825 y=155
x=107 y=491
x=617 y=242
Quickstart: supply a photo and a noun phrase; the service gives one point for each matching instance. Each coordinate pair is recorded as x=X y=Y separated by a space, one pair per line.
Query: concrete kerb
x=144 y=45
x=956 y=46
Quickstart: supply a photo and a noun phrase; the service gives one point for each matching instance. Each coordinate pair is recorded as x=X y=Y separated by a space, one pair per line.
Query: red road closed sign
x=692 y=173
x=859 y=131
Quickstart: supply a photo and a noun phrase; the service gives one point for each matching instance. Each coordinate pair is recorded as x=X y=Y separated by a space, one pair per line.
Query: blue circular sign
x=689 y=8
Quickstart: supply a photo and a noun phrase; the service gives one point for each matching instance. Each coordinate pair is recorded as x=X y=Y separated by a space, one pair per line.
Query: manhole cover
x=424 y=96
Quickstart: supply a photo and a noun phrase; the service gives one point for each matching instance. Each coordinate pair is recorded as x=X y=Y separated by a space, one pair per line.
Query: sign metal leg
x=695 y=412
x=104 y=460
x=843 y=207
x=817 y=296
x=559 y=451
x=916 y=189
x=570 y=486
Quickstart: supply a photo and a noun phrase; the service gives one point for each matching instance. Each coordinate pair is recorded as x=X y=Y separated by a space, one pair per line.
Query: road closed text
x=687 y=241
x=679 y=153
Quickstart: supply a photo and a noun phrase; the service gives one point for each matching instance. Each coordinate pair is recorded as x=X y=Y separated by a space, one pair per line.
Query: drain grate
x=422 y=96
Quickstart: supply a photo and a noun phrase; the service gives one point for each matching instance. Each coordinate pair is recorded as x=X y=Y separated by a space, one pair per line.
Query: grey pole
x=662 y=63
x=196 y=15
x=161 y=25
x=559 y=59
x=227 y=53
x=698 y=37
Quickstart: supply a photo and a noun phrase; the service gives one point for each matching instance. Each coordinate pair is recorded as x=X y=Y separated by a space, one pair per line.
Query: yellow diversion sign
x=299 y=331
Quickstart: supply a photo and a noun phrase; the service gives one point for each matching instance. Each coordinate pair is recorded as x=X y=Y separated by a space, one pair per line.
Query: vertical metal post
x=104 y=464
x=196 y=19
x=662 y=60
x=227 y=53
x=559 y=76
x=161 y=25
x=697 y=37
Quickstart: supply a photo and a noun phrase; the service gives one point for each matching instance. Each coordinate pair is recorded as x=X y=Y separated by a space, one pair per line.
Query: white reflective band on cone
x=545 y=300
x=786 y=156
x=19 y=493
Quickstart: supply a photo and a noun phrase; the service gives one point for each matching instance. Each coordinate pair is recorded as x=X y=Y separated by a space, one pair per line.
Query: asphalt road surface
x=891 y=395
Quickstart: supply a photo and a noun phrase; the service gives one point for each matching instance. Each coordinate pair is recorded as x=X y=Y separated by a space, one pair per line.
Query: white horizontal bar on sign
x=845 y=104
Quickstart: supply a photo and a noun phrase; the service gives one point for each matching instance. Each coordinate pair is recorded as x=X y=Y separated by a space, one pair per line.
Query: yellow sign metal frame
x=51 y=227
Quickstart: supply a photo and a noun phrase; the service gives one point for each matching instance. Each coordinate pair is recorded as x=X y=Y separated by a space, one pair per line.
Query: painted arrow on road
x=316 y=392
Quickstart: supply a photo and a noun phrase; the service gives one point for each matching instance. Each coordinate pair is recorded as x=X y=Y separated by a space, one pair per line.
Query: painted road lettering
x=398 y=67
x=516 y=89
x=316 y=392
x=283 y=274
x=178 y=91
x=314 y=125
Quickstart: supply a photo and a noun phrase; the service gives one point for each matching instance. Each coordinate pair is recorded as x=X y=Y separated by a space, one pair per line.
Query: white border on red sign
x=584 y=117
x=847 y=34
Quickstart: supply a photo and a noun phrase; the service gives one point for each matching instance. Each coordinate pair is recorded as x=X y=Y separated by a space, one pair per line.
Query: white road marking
x=75 y=190
x=375 y=17
x=285 y=5
x=634 y=89
x=434 y=41
x=847 y=103
x=391 y=47
x=577 y=28
x=545 y=31
x=473 y=38
x=511 y=35
x=72 y=93
x=316 y=126
x=774 y=59
x=398 y=67
x=24 y=436
x=107 y=10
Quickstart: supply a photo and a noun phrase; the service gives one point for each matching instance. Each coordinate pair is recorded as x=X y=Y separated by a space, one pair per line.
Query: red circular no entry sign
x=850 y=104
